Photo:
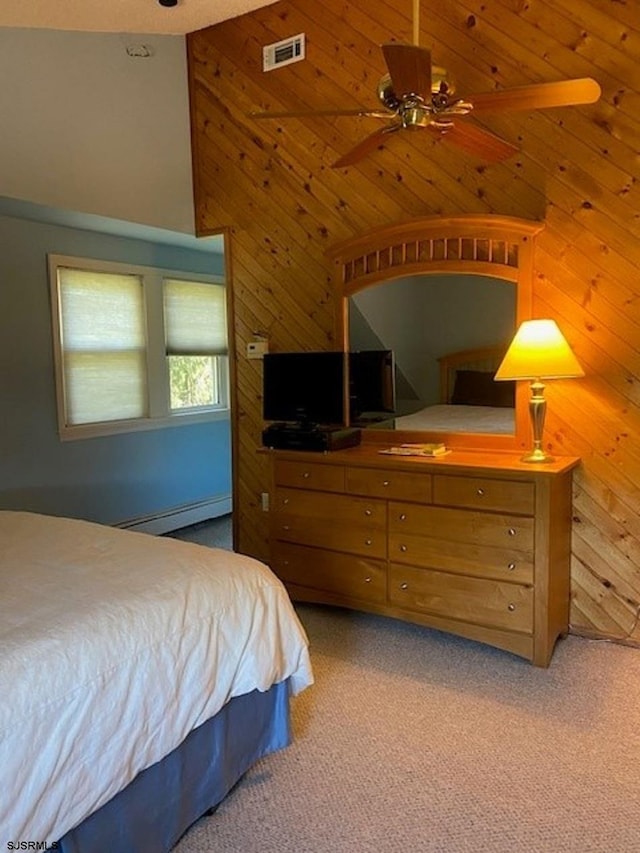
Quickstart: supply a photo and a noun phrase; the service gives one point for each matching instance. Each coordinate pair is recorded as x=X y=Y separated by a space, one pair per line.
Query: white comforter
x=447 y=418
x=113 y=646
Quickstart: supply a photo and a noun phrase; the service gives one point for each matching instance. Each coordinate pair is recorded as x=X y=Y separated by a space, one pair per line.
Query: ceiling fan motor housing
x=441 y=85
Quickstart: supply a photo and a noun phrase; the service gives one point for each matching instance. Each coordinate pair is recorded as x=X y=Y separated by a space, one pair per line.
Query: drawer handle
x=511 y=566
x=403 y=547
x=404 y=586
x=367 y=580
x=480 y=492
x=511 y=607
x=285 y=527
x=403 y=516
x=368 y=542
x=385 y=482
x=512 y=531
x=367 y=512
x=285 y=501
x=306 y=475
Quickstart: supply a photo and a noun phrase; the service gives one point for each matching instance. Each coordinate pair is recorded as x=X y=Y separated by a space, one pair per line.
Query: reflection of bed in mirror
x=471 y=400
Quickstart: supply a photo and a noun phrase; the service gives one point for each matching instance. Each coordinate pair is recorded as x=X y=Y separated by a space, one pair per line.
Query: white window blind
x=103 y=345
x=195 y=318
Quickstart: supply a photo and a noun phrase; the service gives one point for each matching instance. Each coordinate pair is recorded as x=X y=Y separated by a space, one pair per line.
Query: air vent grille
x=283 y=52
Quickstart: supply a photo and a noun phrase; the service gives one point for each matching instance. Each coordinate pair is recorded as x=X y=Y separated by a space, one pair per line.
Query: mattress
x=448 y=418
x=114 y=646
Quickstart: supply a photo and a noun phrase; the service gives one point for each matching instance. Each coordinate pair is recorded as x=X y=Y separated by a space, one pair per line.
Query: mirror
x=430 y=289
x=425 y=318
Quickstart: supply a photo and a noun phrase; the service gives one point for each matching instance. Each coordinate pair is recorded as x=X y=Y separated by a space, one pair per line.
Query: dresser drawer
x=482 y=602
x=514 y=532
x=340 y=574
x=346 y=509
x=340 y=523
x=309 y=475
x=407 y=485
x=484 y=493
x=331 y=534
x=462 y=557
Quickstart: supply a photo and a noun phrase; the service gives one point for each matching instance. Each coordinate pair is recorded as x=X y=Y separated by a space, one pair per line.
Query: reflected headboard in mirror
x=474 y=251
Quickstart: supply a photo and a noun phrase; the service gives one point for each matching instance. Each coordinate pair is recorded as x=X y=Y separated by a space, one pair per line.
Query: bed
x=470 y=399
x=140 y=677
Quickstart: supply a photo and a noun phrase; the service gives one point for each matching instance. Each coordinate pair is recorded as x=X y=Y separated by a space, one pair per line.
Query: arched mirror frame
x=473 y=244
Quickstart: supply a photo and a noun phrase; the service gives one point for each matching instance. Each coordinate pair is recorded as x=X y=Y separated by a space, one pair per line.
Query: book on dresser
x=425 y=449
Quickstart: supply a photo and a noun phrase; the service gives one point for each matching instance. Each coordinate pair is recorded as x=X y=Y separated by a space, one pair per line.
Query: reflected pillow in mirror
x=478 y=388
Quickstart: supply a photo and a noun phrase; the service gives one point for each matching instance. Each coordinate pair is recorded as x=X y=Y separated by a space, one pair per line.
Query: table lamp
x=538 y=351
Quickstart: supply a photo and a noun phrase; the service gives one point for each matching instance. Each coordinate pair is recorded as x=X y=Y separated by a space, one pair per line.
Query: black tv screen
x=372 y=382
x=304 y=387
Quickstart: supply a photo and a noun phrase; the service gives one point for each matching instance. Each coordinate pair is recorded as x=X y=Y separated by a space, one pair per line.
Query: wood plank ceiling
x=271 y=185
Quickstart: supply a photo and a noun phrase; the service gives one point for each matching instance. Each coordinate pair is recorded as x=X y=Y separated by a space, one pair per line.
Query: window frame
x=160 y=414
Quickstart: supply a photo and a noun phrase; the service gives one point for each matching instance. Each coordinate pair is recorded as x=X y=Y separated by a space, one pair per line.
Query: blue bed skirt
x=160 y=804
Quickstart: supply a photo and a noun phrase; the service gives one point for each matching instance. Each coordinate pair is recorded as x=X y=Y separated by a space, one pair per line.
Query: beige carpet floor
x=214 y=533
x=413 y=740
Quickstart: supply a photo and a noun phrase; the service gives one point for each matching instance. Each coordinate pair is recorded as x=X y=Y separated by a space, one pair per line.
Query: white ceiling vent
x=283 y=52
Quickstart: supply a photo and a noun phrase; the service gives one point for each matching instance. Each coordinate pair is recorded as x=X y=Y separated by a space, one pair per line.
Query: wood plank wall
x=271 y=185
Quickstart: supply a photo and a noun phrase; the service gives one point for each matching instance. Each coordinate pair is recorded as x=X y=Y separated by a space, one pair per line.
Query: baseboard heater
x=180 y=516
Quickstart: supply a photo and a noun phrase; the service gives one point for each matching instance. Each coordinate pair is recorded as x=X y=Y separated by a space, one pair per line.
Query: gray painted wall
x=87 y=127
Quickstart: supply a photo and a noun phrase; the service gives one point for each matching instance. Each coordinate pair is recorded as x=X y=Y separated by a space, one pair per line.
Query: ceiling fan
x=415 y=95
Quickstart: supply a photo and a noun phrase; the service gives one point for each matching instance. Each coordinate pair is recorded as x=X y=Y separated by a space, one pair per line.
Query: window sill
x=75 y=433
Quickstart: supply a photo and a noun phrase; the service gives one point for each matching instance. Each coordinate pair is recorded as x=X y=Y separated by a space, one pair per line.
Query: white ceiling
x=123 y=16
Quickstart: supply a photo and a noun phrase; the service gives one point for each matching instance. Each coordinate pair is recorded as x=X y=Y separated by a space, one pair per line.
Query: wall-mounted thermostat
x=257 y=349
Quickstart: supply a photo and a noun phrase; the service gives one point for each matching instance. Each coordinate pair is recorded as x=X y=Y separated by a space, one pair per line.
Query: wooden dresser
x=475 y=543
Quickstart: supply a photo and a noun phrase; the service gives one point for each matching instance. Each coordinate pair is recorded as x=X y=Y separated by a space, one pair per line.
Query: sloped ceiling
x=123 y=16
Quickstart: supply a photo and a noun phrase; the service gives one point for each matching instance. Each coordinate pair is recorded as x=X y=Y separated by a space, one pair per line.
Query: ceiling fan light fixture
x=441 y=81
x=415 y=116
x=386 y=95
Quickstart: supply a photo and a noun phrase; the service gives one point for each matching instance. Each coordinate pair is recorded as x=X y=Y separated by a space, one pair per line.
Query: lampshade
x=539 y=351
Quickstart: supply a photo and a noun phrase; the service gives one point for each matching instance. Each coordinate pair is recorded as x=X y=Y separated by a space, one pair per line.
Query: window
x=196 y=336
x=136 y=347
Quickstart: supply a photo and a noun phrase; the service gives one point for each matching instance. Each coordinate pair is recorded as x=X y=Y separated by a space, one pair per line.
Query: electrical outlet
x=265 y=502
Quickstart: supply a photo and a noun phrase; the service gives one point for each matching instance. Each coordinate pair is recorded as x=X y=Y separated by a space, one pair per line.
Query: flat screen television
x=306 y=388
x=372 y=382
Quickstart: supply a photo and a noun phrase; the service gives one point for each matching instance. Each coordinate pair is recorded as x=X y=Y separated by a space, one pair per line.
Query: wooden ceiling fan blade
x=539 y=96
x=477 y=141
x=409 y=67
x=365 y=146
x=362 y=111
